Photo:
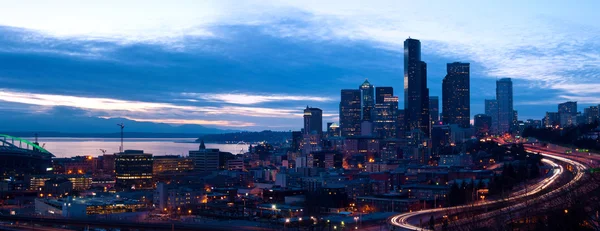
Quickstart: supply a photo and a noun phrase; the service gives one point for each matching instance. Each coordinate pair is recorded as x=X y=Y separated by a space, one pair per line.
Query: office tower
x=296 y=141
x=333 y=130
x=382 y=92
x=416 y=93
x=569 y=107
x=551 y=119
x=491 y=109
x=350 y=112
x=385 y=116
x=205 y=159
x=591 y=114
x=313 y=120
x=434 y=109
x=133 y=169
x=367 y=101
x=567 y=112
x=482 y=124
x=400 y=124
x=440 y=138
x=504 y=97
x=456 y=99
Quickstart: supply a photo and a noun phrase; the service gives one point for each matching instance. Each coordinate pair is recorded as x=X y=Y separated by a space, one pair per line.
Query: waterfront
x=67 y=147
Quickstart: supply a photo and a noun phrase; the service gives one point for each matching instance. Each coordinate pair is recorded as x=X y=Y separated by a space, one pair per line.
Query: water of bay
x=69 y=147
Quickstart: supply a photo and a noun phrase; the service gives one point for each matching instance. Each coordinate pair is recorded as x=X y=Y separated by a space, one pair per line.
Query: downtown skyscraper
x=350 y=112
x=313 y=120
x=456 y=97
x=416 y=93
x=504 y=97
x=367 y=101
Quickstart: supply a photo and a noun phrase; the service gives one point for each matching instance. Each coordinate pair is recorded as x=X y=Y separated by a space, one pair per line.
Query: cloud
x=224 y=123
x=247 y=99
x=150 y=111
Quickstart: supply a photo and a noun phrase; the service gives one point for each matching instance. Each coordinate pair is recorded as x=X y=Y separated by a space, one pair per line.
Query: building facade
x=504 y=96
x=313 y=120
x=382 y=92
x=491 y=110
x=205 y=159
x=385 y=115
x=434 y=110
x=367 y=101
x=416 y=93
x=350 y=112
x=133 y=169
x=456 y=97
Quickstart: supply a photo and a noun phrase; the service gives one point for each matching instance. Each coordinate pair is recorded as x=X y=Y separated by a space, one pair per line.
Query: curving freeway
x=403 y=221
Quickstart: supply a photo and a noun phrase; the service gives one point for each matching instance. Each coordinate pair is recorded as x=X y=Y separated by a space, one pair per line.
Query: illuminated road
x=402 y=220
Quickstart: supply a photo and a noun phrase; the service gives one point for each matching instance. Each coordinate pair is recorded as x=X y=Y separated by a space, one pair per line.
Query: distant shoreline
x=104 y=135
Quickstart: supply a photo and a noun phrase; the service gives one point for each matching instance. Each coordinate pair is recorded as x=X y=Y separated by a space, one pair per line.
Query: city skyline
x=202 y=70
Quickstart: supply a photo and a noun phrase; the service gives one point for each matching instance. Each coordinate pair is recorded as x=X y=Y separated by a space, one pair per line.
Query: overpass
x=534 y=193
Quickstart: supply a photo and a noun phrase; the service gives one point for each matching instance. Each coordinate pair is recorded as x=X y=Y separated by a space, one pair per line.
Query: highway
x=407 y=221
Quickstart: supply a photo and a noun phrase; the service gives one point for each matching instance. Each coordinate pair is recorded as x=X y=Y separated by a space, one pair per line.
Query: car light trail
x=401 y=220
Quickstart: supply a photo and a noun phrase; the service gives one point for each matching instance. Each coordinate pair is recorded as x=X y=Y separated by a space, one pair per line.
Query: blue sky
x=255 y=65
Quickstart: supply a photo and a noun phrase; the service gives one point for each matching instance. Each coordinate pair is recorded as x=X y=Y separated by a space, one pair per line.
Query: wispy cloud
x=150 y=111
x=224 y=123
x=248 y=99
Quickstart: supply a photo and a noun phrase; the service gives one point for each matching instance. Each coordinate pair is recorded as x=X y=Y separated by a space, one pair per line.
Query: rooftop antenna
x=121 y=125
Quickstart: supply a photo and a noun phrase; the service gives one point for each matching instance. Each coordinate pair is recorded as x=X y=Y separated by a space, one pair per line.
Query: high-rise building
x=133 y=169
x=440 y=137
x=205 y=159
x=416 y=93
x=400 y=124
x=385 y=116
x=491 y=109
x=434 y=109
x=456 y=97
x=313 y=120
x=551 y=119
x=569 y=107
x=350 y=112
x=333 y=130
x=367 y=101
x=297 y=137
x=567 y=112
x=591 y=114
x=482 y=124
x=504 y=96
x=382 y=92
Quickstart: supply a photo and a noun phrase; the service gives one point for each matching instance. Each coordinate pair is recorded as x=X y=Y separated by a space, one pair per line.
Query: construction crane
x=121 y=125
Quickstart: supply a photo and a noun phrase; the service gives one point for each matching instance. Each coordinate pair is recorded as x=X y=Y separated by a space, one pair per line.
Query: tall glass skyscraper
x=350 y=112
x=456 y=97
x=367 y=101
x=504 y=96
x=416 y=93
x=385 y=116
